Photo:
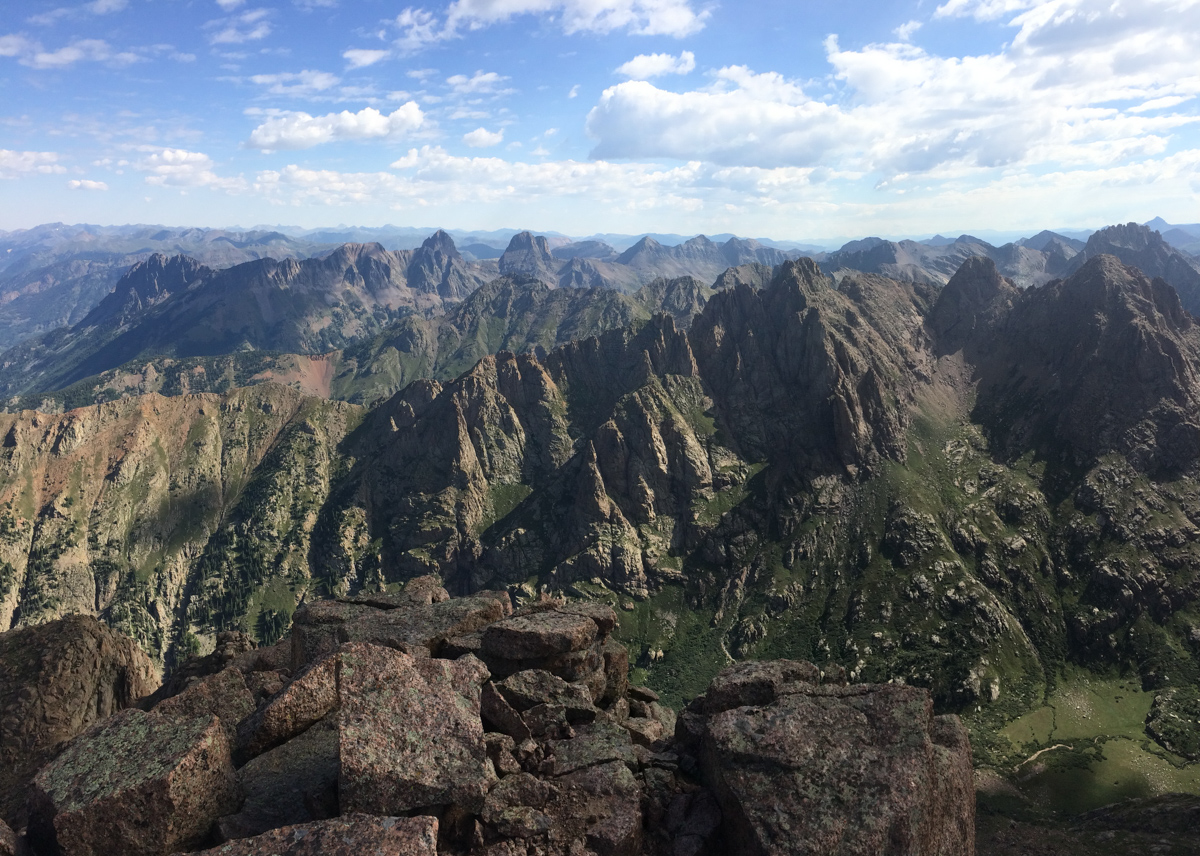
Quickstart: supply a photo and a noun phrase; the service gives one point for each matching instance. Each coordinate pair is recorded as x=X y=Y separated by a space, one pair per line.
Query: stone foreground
x=413 y=723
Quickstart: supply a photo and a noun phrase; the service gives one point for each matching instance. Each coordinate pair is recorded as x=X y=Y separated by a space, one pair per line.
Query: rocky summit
x=416 y=723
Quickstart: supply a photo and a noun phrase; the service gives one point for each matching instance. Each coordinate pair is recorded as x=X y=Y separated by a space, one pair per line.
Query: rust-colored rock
x=307 y=699
x=138 y=784
x=850 y=770
x=56 y=680
x=533 y=687
x=543 y=634
x=410 y=734
x=351 y=835
x=224 y=695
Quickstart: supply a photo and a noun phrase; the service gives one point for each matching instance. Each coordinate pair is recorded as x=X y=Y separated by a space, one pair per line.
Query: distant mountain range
x=358 y=321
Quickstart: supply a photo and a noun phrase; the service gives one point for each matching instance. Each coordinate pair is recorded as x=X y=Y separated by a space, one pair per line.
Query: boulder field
x=413 y=723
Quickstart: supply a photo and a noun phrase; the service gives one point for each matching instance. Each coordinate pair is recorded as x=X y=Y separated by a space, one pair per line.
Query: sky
x=785 y=120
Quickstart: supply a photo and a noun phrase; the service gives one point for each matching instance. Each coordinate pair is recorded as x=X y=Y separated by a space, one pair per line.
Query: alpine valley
x=965 y=468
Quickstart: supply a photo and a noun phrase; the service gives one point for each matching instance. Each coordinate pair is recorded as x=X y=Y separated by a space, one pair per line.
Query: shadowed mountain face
x=1145 y=249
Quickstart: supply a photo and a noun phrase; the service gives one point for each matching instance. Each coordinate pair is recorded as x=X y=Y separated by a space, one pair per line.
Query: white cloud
x=98 y=7
x=645 y=66
x=230 y=5
x=250 y=26
x=183 y=169
x=480 y=83
x=905 y=31
x=16 y=45
x=1050 y=97
x=359 y=58
x=301 y=83
x=982 y=10
x=13 y=163
x=291 y=130
x=31 y=53
x=482 y=137
x=86 y=184
x=420 y=28
x=574 y=93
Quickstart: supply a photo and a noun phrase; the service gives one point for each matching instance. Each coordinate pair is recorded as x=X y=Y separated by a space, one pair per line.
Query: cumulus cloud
x=1051 y=96
x=645 y=66
x=294 y=130
x=184 y=169
x=300 y=83
x=13 y=163
x=482 y=137
x=357 y=58
x=86 y=184
x=249 y=26
x=420 y=28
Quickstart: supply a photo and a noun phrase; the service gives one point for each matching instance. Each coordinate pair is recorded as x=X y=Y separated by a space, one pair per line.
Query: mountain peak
x=145 y=284
x=440 y=241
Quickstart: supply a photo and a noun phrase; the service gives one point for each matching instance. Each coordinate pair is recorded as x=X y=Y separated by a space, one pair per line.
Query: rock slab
x=351 y=835
x=138 y=784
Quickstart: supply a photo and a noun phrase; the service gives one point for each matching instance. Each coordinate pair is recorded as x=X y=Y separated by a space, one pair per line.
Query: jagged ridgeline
x=971 y=488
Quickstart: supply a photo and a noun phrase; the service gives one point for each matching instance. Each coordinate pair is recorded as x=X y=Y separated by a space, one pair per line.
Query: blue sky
x=781 y=120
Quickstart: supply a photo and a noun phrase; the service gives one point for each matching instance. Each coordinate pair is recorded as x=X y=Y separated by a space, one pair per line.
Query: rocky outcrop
x=545 y=749
x=57 y=680
x=147 y=284
x=802 y=767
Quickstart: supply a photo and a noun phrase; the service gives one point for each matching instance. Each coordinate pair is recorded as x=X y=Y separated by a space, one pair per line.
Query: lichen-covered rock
x=410 y=734
x=138 y=784
x=756 y=683
x=533 y=687
x=842 y=769
x=350 y=835
x=224 y=695
x=596 y=743
x=420 y=590
x=56 y=680
x=543 y=634
x=416 y=628
x=307 y=699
